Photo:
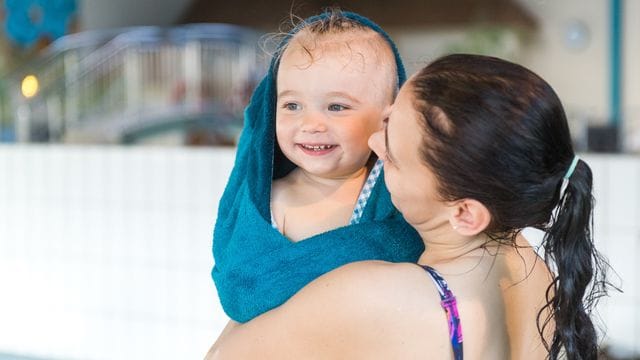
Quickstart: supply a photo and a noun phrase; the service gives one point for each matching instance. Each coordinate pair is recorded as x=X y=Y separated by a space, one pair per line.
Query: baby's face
x=328 y=105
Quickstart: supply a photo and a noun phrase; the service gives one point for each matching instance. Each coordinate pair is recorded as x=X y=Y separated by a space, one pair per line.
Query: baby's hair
x=334 y=22
x=331 y=21
x=313 y=33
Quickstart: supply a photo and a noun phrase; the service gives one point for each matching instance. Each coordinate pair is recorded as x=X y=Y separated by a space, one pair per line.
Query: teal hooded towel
x=257 y=268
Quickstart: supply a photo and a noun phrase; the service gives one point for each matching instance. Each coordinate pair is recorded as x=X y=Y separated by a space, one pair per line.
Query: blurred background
x=118 y=121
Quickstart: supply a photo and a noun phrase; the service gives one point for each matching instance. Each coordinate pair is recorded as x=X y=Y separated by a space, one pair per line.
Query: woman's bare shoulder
x=524 y=296
x=373 y=284
x=367 y=309
x=393 y=307
x=525 y=265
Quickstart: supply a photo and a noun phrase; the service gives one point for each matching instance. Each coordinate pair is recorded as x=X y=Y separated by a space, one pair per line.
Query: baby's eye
x=291 y=106
x=337 y=107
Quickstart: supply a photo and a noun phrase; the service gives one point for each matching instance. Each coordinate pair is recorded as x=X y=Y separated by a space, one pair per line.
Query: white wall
x=101 y=14
x=617 y=235
x=105 y=252
x=580 y=76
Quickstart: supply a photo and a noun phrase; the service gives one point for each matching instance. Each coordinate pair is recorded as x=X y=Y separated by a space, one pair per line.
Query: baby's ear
x=469 y=217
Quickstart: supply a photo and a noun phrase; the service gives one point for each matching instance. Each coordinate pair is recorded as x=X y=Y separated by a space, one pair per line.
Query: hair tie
x=567 y=175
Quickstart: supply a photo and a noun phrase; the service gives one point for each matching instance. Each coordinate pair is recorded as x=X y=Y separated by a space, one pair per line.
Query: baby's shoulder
x=287 y=188
x=280 y=185
x=282 y=191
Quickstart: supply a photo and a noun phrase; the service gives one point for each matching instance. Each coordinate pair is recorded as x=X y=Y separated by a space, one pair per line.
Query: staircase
x=135 y=84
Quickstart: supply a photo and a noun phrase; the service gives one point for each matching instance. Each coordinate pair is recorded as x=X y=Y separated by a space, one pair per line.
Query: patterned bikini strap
x=450 y=306
x=361 y=203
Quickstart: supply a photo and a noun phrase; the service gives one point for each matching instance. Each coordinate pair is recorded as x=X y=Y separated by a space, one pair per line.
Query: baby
x=335 y=86
x=305 y=195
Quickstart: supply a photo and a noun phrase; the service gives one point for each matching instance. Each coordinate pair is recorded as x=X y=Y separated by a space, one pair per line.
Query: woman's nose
x=376 y=143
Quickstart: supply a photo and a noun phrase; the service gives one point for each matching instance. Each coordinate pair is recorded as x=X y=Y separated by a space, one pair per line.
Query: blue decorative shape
x=28 y=20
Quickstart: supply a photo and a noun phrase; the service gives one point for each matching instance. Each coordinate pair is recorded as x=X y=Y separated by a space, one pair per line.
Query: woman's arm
x=230 y=325
x=314 y=324
x=362 y=310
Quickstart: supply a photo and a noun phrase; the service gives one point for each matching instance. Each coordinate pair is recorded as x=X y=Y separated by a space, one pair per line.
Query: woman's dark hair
x=496 y=132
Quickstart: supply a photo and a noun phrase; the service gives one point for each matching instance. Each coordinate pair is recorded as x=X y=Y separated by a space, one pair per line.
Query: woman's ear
x=469 y=217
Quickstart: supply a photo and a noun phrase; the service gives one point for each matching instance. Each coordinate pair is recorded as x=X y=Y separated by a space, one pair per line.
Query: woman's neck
x=444 y=244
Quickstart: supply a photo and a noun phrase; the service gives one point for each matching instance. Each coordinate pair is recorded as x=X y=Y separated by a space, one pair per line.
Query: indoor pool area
x=120 y=125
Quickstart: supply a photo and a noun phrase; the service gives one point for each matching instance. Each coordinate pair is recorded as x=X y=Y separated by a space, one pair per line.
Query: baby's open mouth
x=317 y=147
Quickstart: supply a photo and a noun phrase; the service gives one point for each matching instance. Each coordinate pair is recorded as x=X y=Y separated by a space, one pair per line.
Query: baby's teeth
x=318 y=147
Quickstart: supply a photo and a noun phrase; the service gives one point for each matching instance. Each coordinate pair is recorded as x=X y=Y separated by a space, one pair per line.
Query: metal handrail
x=208 y=66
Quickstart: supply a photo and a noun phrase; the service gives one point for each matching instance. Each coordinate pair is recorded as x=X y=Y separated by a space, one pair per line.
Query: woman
x=475 y=150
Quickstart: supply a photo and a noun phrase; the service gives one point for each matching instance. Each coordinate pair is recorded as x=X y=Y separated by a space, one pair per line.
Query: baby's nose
x=313 y=122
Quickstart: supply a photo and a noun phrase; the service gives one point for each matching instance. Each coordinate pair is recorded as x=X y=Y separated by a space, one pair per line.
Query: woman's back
x=499 y=291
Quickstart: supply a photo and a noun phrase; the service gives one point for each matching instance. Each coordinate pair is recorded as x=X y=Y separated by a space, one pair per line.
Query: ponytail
x=580 y=270
x=497 y=133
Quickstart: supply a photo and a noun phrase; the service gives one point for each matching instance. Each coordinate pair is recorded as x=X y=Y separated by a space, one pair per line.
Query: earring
x=455 y=227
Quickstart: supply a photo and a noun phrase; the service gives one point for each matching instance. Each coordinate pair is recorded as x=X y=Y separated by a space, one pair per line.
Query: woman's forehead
x=403 y=129
x=403 y=105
